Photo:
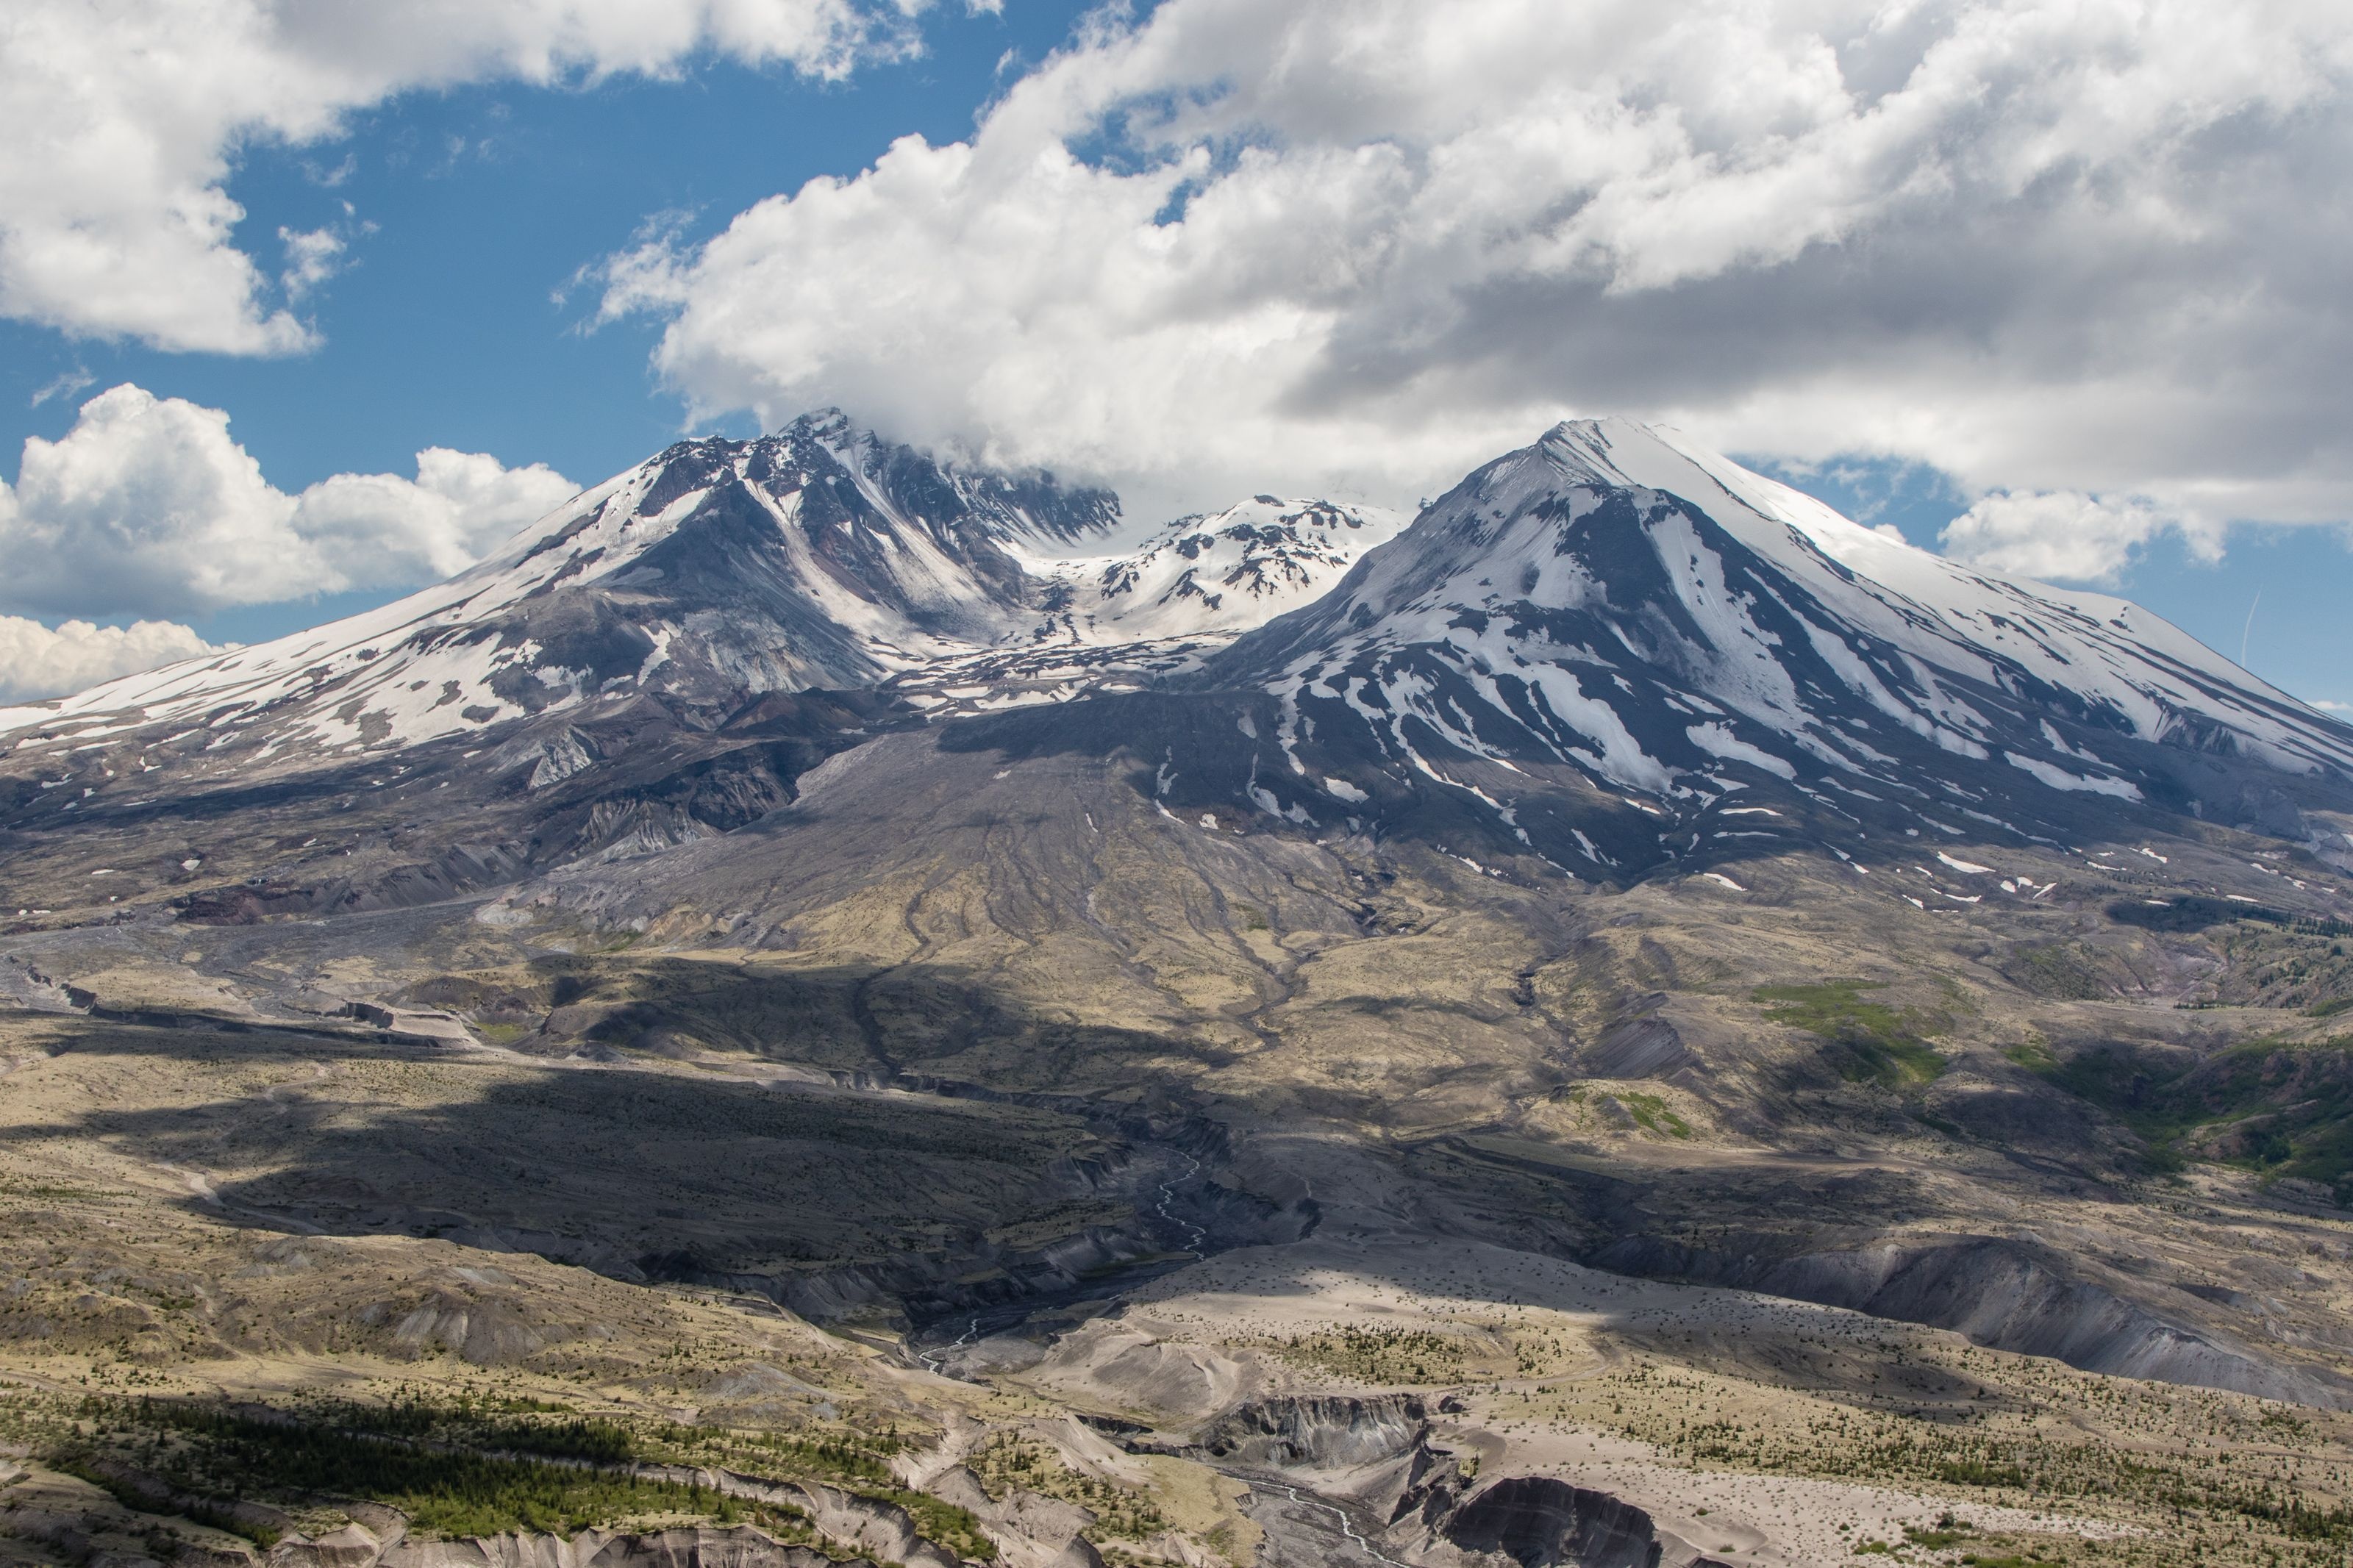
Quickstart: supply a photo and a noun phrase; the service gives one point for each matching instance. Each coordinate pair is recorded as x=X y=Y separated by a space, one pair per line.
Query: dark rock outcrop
x=1543 y=1524
x=1316 y=1432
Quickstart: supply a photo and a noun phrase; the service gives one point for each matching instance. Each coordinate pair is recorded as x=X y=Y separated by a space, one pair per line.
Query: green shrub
x=1865 y=1041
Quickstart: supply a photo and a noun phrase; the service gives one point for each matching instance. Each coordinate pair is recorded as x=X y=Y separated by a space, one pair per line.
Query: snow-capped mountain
x=712 y=571
x=821 y=556
x=1671 y=626
x=1609 y=616
x=1130 y=618
x=1224 y=572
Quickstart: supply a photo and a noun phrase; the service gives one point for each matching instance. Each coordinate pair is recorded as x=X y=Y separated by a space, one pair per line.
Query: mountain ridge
x=1558 y=608
x=1557 y=658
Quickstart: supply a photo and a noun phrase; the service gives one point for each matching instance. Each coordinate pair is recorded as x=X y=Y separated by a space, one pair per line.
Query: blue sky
x=482 y=203
x=2278 y=595
x=475 y=303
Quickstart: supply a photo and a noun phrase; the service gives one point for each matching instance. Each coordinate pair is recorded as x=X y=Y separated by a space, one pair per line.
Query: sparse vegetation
x=400 y=1456
x=2279 y=1109
x=1121 y=1513
x=1651 y=1113
x=2063 y=971
x=461 y=1468
x=1865 y=1041
x=1376 y=1355
x=2235 y=1480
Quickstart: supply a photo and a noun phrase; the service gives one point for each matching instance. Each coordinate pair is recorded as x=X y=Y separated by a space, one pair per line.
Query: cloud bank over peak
x=2044 y=247
x=148 y=507
x=124 y=116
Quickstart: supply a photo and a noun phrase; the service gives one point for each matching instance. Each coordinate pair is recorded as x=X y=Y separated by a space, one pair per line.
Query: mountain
x=1146 y=615
x=1611 y=651
x=1657 y=622
x=817 y=557
x=1622 y=1018
x=660 y=657
x=821 y=557
x=1224 y=572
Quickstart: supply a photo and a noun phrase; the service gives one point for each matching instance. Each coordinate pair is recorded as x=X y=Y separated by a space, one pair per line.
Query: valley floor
x=230 y=1221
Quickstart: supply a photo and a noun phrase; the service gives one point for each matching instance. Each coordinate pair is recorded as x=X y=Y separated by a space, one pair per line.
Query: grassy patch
x=2282 y=1110
x=221 y=1457
x=1651 y=1113
x=1865 y=1041
x=1947 y=1532
x=2034 y=1056
x=462 y=1468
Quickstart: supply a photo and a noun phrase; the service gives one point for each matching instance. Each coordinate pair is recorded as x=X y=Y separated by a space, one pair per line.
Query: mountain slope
x=717 y=571
x=1145 y=616
x=653 y=662
x=1669 y=625
x=1224 y=572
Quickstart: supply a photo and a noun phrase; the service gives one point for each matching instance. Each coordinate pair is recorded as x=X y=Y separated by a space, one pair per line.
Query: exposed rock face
x=881 y=1530
x=1375 y=1454
x=741 y=1547
x=1323 y=1433
x=1031 y=1530
x=1543 y=1523
x=2008 y=1294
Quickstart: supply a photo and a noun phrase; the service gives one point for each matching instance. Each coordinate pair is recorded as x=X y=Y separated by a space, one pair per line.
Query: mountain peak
x=1619 y=604
x=830 y=429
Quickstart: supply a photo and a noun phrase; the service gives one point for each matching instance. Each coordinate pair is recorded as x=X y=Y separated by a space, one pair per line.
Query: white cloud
x=148 y=506
x=123 y=117
x=2041 y=245
x=312 y=256
x=381 y=527
x=64 y=385
x=2064 y=535
x=40 y=661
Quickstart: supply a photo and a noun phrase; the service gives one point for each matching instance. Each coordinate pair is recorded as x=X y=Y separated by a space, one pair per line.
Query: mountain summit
x=1636 y=615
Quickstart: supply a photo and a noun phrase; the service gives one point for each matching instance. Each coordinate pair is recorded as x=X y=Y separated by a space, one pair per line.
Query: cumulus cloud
x=148 y=506
x=123 y=117
x=2041 y=245
x=2064 y=535
x=381 y=527
x=41 y=661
